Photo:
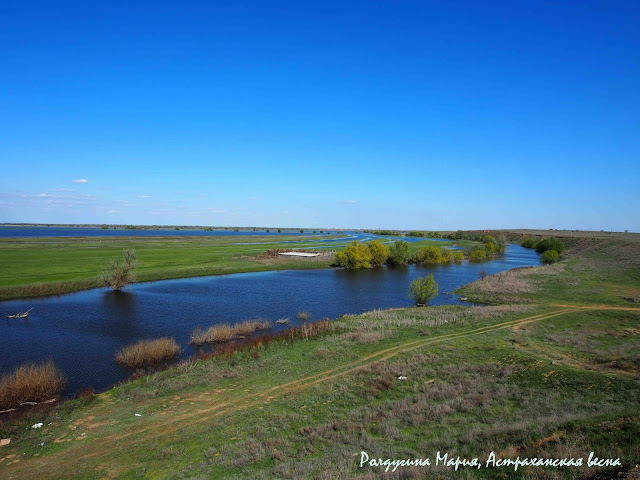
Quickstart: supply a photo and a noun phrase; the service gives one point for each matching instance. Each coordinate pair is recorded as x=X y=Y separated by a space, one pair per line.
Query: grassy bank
x=51 y=266
x=549 y=375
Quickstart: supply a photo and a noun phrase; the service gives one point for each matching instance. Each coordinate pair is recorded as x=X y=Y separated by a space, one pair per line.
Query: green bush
x=398 y=253
x=427 y=255
x=550 y=256
x=550 y=243
x=423 y=289
x=379 y=252
x=446 y=255
x=458 y=256
x=529 y=243
x=478 y=255
x=414 y=233
x=354 y=256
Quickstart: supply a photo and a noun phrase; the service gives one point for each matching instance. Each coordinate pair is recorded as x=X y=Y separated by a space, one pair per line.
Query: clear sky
x=426 y=114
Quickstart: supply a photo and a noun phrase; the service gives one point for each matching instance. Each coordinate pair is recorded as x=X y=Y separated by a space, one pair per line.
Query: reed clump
x=147 y=352
x=224 y=332
x=30 y=383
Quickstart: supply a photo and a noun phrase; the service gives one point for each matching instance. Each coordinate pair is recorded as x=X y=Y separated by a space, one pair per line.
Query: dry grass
x=30 y=383
x=225 y=332
x=249 y=326
x=147 y=352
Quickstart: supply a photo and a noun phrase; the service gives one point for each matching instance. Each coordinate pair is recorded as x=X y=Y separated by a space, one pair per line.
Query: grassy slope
x=41 y=266
x=525 y=379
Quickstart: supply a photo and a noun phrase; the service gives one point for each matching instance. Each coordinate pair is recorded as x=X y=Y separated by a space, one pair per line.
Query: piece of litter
x=5 y=441
x=138 y=415
x=402 y=377
x=42 y=444
x=37 y=425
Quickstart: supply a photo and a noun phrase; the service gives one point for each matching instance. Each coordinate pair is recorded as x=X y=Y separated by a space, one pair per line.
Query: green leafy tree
x=427 y=255
x=379 y=252
x=355 y=256
x=422 y=290
x=446 y=255
x=478 y=255
x=529 y=243
x=399 y=252
x=550 y=256
x=458 y=256
x=550 y=243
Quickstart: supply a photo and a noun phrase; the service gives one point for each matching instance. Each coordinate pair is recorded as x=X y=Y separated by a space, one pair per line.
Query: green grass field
x=546 y=373
x=45 y=266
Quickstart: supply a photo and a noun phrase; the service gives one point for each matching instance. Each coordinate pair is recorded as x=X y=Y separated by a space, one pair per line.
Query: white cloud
x=63 y=190
x=144 y=196
x=81 y=180
x=348 y=201
x=45 y=195
x=202 y=194
x=111 y=212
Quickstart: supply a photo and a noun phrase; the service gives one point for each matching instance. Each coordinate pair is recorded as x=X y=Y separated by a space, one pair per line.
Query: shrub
x=458 y=256
x=399 y=252
x=415 y=233
x=550 y=243
x=354 y=256
x=529 y=243
x=379 y=252
x=30 y=383
x=550 y=256
x=478 y=255
x=428 y=254
x=421 y=290
x=147 y=352
x=119 y=273
x=446 y=255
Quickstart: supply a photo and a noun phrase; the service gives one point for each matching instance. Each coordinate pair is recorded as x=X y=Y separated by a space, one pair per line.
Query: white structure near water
x=299 y=254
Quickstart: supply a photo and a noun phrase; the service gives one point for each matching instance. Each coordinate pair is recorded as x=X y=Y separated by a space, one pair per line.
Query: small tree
x=119 y=273
x=398 y=252
x=478 y=255
x=421 y=290
x=550 y=243
x=379 y=252
x=483 y=274
x=550 y=256
x=354 y=256
x=428 y=254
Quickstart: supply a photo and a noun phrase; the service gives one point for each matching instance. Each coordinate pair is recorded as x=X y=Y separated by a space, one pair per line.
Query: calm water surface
x=17 y=231
x=82 y=331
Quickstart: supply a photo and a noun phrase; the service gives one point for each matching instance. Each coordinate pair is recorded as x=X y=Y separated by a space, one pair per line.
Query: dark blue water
x=6 y=231
x=83 y=331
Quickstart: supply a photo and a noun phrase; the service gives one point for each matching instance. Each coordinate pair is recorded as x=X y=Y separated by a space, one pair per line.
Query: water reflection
x=120 y=315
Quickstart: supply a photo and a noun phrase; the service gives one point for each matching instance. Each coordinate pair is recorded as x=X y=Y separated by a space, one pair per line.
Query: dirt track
x=209 y=405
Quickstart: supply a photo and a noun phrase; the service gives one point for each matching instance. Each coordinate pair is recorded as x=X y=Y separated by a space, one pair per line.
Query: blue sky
x=427 y=114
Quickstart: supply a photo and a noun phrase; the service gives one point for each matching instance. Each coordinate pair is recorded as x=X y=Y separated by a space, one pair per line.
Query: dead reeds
x=224 y=332
x=30 y=383
x=147 y=352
